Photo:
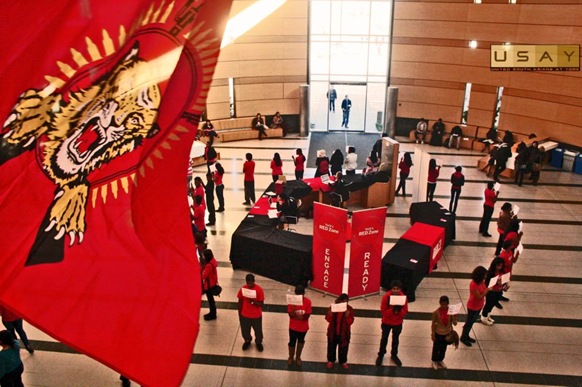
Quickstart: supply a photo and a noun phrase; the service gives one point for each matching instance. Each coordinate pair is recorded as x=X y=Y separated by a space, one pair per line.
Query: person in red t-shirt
x=299 y=161
x=339 y=332
x=404 y=166
x=199 y=189
x=477 y=292
x=249 y=181
x=496 y=269
x=250 y=312
x=457 y=182
x=217 y=176
x=488 y=207
x=209 y=281
x=433 y=174
x=298 y=325
x=198 y=212
x=392 y=319
x=276 y=166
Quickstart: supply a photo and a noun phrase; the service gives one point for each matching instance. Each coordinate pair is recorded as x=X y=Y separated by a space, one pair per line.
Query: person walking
x=433 y=174
x=346 y=106
x=276 y=166
x=488 y=207
x=209 y=282
x=332 y=96
x=249 y=179
x=393 y=314
x=457 y=183
x=299 y=162
x=298 y=326
x=441 y=326
x=11 y=367
x=404 y=166
x=14 y=324
x=502 y=155
x=209 y=192
x=250 y=311
x=218 y=176
x=477 y=292
x=339 y=332
x=351 y=161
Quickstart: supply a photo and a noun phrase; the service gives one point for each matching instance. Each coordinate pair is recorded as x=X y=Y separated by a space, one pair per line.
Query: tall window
x=465 y=112
x=231 y=97
x=497 y=107
x=349 y=48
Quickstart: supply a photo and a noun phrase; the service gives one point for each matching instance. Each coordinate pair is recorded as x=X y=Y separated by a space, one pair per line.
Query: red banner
x=329 y=248
x=100 y=101
x=366 y=251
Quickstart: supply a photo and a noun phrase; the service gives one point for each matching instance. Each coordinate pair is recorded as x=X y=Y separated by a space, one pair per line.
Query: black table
x=434 y=214
x=407 y=262
x=285 y=256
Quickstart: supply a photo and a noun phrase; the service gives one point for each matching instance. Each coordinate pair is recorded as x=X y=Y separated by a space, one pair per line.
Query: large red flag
x=97 y=248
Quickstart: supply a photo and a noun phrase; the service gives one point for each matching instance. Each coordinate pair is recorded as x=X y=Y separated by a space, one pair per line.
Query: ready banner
x=329 y=247
x=366 y=251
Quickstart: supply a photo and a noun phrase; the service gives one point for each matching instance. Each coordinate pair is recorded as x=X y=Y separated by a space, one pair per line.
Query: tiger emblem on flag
x=80 y=129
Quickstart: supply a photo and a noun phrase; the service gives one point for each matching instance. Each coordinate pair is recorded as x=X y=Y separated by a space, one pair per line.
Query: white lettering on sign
x=328 y=228
x=436 y=250
x=366 y=273
x=326 y=265
x=368 y=231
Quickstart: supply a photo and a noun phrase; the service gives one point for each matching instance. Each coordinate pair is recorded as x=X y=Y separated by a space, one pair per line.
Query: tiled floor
x=536 y=340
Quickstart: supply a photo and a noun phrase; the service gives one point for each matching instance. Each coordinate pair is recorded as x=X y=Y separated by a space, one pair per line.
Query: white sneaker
x=435 y=365
x=442 y=365
x=490 y=319
x=422 y=142
x=486 y=321
x=417 y=141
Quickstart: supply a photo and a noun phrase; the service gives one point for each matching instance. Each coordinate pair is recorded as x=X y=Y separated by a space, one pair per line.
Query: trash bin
x=578 y=165
x=557 y=158
x=569 y=159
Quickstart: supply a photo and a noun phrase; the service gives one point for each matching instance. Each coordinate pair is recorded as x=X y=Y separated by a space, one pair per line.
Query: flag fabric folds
x=97 y=249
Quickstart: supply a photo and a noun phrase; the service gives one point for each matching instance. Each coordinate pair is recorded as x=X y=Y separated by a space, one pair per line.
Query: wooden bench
x=235 y=129
x=466 y=140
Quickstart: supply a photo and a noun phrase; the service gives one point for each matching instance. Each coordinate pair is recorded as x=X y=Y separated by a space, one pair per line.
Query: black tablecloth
x=407 y=262
x=285 y=256
x=434 y=214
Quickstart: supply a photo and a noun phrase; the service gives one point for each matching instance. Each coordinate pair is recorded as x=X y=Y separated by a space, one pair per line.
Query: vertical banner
x=329 y=248
x=366 y=251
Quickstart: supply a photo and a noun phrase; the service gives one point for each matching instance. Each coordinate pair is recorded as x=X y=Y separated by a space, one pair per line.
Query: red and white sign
x=366 y=251
x=428 y=235
x=329 y=248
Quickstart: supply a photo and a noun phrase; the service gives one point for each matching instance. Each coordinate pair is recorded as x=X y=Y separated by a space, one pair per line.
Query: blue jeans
x=346 y=117
x=16 y=325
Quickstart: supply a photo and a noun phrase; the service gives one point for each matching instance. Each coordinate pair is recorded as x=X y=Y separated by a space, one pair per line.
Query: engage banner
x=366 y=251
x=329 y=248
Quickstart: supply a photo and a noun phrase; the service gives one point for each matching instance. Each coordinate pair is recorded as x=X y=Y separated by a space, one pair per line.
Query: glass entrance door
x=355 y=115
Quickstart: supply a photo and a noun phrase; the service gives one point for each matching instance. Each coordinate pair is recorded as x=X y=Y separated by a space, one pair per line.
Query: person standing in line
x=298 y=326
x=488 y=207
x=250 y=312
x=496 y=269
x=520 y=165
x=433 y=174
x=457 y=183
x=351 y=161
x=299 y=161
x=276 y=166
x=477 y=292
x=249 y=179
x=339 y=333
x=346 y=106
x=509 y=258
x=332 y=96
x=441 y=326
x=218 y=176
x=198 y=211
x=209 y=281
x=210 y=155
x=404 y=166
x=503 y=221
x=420 y=131
x=11 y=367
x=199 y=189
x=392 y=319
x=209 y=191
x=14 y=323
x=259 y=124
x=336 y=161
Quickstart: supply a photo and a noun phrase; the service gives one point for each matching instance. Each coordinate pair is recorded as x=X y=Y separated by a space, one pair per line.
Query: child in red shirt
x=298 y=325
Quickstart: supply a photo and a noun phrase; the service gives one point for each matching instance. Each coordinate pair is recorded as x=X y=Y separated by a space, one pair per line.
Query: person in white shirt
x=351 y=161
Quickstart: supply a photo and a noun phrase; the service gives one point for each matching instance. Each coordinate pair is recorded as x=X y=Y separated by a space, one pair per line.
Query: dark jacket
x=457 y=180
